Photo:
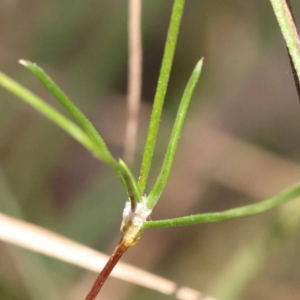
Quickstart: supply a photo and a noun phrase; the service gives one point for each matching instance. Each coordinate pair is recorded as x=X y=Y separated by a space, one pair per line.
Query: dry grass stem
x=38 y=239
x=134 y=78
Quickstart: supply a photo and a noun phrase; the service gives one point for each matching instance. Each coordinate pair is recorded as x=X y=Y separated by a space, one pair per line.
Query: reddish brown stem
x=119 y=251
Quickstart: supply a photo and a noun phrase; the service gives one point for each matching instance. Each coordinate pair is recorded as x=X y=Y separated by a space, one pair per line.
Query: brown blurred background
x=240 y=145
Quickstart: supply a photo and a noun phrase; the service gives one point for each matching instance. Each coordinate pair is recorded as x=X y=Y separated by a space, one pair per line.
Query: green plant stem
x=239 y=212
x=169 y=157
x=289 y=31
x=133 y=190
x=61 y=97
x=161 y=91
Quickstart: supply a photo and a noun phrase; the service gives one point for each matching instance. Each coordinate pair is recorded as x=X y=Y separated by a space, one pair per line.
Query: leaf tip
x=23 y=62
x=121 y=162
x=199 y=65
x=28 y=64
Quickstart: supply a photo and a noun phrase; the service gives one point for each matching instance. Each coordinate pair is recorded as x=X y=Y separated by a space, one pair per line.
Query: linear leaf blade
x=161 y=89
x=169 y=157
x=63 y=99
x=240 y=212
x=45 y=109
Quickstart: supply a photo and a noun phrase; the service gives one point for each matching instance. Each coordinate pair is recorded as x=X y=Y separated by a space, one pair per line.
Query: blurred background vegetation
x=240 y=145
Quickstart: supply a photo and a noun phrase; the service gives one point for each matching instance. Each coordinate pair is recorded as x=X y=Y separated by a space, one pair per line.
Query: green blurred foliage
x=246 y=90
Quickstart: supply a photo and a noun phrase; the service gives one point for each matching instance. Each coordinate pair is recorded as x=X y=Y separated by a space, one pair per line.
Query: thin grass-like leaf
x=161 y=91
x=244 y=211
x=89 y=138
x=63 y=99
x=67 y=125
x=169 y=157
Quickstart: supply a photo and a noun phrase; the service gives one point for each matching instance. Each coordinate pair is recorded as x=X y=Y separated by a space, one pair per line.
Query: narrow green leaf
x=162 y=85
x=169 y=157
x=47 y=111
x=239 y=212
x=132 y=188
x=76 y=132
x=60 y=96
x=102 y=150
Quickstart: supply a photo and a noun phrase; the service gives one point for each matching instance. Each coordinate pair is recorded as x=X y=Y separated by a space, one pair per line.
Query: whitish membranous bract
x=134 y=220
